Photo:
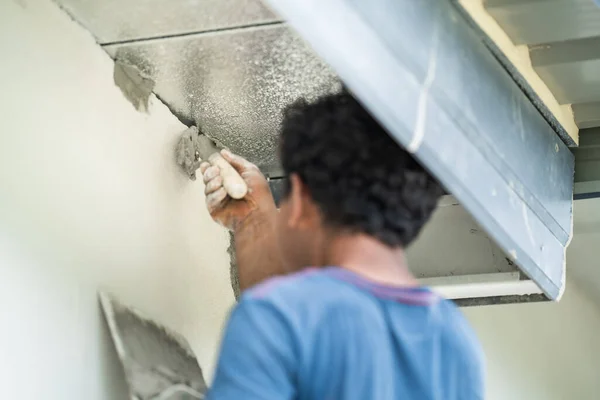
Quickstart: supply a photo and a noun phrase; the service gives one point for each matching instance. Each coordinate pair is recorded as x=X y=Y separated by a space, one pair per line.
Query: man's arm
x=257 y=358
x=252 y=220
x=256 y=250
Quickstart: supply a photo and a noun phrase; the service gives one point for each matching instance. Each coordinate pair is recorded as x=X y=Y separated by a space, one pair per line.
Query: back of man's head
x=361 y=180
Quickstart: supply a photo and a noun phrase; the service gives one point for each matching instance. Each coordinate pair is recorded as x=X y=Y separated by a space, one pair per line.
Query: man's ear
x=296 y=201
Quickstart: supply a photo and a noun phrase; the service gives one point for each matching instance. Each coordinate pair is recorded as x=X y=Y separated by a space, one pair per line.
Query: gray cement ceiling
x=563 y=37
x=118 y=21
x=233 y=84
x=228 y=66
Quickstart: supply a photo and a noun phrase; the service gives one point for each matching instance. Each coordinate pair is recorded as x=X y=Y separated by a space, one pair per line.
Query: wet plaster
x=136 y=87
x=233 y=268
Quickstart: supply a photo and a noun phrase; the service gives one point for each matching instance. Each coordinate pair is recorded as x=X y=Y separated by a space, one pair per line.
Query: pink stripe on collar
x=417 y=295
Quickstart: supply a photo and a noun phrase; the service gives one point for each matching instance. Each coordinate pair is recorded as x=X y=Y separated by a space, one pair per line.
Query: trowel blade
x=193 y=147
x=158 y=363
x=206 y=147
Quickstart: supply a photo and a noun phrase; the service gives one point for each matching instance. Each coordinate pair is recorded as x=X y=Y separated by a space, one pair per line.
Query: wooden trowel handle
x=234 y=184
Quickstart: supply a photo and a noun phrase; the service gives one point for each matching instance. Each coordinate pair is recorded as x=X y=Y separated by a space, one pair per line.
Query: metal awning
x=430 y=80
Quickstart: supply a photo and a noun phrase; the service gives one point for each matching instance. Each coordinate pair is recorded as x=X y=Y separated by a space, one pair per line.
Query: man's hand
x=252 y=220
x=227 y=211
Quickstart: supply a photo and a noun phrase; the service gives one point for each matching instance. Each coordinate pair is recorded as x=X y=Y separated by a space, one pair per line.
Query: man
x=345 y=319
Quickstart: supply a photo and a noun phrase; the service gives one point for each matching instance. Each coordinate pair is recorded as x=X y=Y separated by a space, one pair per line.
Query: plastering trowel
x=194 y=147
x=158 y=363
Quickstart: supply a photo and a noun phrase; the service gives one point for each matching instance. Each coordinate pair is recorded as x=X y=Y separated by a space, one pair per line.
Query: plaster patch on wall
x=233 y=268
x=136 y=87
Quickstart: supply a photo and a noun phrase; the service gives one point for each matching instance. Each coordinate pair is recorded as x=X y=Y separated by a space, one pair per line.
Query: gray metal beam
x=431 y=81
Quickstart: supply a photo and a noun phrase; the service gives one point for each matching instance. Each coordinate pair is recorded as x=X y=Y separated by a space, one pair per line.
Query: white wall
x=582 y=254
x=90 y=197
x=53 y=342
x=545 y=351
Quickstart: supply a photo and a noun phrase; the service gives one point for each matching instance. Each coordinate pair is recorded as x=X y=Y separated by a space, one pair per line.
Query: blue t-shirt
x=327 y=333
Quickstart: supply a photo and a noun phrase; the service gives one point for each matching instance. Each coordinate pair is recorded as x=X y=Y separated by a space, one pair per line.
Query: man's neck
x=370 y=258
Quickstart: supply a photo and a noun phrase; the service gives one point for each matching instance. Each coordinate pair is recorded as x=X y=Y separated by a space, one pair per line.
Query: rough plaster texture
x=90 y=191
x=233 y=84
x=541 y=351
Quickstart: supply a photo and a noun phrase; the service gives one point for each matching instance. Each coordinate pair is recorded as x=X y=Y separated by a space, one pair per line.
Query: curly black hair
x=359 y=177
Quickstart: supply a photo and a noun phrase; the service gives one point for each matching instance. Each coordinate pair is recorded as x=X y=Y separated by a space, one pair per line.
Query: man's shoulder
x=460 y=337
x=311 y=290
x=306 y=285
x=278 y=285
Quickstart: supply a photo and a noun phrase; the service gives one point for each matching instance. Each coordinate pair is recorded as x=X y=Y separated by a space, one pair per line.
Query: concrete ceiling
x=114 y=21
x=232 y=84
x=563 y=37
x=227 y=66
